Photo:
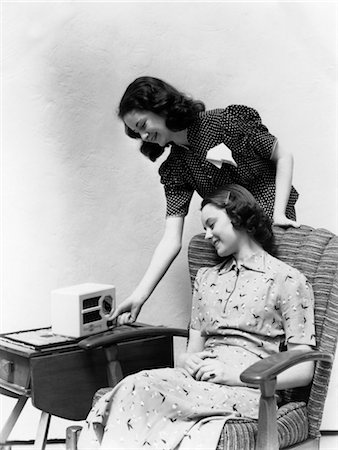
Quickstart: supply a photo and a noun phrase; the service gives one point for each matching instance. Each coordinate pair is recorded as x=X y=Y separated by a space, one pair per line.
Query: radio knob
x=107 y=304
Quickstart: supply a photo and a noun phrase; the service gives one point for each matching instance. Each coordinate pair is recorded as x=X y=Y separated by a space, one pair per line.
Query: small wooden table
x=61 y=374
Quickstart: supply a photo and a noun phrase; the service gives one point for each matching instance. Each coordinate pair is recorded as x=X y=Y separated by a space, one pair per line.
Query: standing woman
x=208 y=150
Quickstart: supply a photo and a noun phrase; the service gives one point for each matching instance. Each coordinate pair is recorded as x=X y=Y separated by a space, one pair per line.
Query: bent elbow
x=177 y=248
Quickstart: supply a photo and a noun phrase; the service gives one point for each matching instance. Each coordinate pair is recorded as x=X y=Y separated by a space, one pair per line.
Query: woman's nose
x=208 y=234
x=144 y=136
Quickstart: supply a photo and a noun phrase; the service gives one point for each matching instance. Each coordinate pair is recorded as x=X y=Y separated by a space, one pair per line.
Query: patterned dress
x=240 y=128
x=245 y=313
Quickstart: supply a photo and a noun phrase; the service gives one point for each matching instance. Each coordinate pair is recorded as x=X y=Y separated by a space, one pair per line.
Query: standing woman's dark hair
x=243 y=211
x=157 y=96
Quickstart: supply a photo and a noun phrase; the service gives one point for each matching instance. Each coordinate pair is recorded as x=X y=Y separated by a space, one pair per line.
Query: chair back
x=314 y=252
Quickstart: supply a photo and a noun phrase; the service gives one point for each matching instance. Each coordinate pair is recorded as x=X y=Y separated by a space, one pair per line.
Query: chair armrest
x=124 y=333
x=264 y=373
x=268 y=368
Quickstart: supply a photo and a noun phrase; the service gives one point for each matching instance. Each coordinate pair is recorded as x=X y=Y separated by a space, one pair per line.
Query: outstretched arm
x=284 y=170
x=164 y=254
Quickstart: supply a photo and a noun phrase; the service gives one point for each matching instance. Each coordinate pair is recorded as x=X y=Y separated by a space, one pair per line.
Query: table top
x=39 y=341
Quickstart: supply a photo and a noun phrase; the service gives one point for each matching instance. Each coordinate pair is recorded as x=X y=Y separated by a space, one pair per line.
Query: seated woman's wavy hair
x=244 y=212
x=157 y=96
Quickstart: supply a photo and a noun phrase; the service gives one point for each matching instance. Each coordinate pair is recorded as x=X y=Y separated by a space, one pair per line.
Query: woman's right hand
x=192 y=362
x=127 y=311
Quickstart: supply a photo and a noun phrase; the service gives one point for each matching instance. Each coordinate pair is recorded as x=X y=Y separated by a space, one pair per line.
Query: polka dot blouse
x=240 y=128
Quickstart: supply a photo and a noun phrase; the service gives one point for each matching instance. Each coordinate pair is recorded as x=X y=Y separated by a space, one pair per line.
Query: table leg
x=41 y=437
x=11 y=421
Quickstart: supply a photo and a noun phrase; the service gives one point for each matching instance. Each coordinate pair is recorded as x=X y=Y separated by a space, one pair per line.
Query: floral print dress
x=245 y=313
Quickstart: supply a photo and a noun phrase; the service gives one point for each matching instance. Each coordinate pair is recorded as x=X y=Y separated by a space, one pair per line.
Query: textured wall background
x=79 y=202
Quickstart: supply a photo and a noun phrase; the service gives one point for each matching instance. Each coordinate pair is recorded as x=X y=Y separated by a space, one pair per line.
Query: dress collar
x=256 y=262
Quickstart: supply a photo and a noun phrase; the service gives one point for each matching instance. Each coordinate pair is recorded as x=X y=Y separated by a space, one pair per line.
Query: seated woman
x=243 y=309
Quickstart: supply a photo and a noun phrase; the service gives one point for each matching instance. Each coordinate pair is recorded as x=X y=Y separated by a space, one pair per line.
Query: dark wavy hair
x=244 y=212
x=157 y=96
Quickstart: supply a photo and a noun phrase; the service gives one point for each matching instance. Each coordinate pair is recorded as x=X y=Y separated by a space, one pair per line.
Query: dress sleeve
x=177 y=191
x=243 y=125
x=197 y=315
x=297 y=308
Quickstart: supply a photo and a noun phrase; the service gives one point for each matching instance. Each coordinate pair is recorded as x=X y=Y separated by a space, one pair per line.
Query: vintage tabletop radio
x=82 y=309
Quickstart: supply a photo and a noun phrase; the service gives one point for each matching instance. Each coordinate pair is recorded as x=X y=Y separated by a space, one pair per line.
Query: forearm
x=182 y=358
x=296 y=376
x=194 y=353
x=284 y=170
x=163 y=256
x=165 y=252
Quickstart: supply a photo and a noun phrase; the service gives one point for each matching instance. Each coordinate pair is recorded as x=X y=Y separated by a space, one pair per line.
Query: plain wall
x=79 y=203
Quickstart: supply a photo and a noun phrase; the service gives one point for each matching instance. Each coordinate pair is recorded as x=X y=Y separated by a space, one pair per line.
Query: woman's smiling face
x=219 y=229
x=150 y=126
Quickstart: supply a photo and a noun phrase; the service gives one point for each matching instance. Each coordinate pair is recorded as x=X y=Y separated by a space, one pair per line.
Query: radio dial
x=107 y=305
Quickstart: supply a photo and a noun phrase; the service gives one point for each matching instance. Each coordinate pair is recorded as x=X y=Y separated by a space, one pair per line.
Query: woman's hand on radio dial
x=127 y=311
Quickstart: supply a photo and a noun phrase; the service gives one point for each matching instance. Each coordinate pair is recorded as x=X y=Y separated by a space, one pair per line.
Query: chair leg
x=72 y=436
x=12 y=419
x=41 y=437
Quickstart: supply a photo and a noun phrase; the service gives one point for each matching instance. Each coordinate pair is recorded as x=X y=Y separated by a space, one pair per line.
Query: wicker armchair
x=296 y=423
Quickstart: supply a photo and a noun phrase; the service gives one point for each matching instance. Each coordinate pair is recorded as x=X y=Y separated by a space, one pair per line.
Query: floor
x=327 y=442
